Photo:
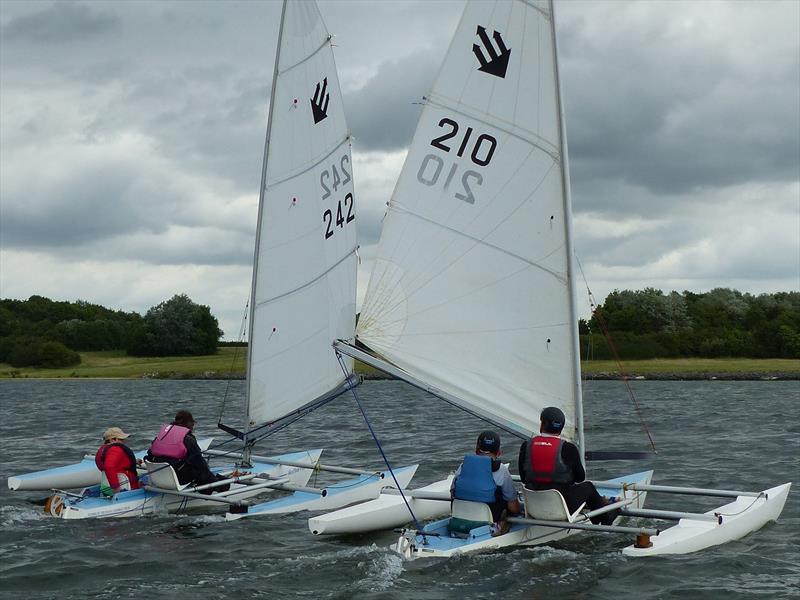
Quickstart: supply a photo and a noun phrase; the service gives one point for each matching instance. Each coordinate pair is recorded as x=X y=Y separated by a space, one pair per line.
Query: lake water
x=736 y=435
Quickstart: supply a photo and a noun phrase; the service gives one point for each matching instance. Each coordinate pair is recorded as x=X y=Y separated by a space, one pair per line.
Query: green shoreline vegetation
x=720 y=334
x=229 y=363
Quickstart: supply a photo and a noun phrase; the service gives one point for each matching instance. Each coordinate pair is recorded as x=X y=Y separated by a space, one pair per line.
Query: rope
x=377 y=442
x=233 y=363
x=746 y=508
x=598 y=315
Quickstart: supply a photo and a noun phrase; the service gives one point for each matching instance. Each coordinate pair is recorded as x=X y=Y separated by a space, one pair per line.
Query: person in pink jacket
x=175 y=444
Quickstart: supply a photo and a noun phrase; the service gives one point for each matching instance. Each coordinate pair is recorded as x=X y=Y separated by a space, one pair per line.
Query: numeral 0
x=426 y=177
x=483 y=139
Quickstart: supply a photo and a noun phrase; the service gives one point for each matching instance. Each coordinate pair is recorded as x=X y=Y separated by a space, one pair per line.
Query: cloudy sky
x=131 y=136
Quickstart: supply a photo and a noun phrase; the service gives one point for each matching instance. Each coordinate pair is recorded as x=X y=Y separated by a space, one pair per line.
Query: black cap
x=553 y=419
x=489 y=441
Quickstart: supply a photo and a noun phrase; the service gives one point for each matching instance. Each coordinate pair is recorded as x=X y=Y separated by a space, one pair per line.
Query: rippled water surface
x=739 y=435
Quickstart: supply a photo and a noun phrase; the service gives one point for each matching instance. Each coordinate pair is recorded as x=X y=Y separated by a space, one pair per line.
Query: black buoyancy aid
x=100 y=457
x=545 y=464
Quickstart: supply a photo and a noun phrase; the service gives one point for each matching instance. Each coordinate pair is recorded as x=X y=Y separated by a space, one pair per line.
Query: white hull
x=338 y=495
x=742 y=516
x=137 y=503
x=440 y=545
x=76 y=476
x=384 y=512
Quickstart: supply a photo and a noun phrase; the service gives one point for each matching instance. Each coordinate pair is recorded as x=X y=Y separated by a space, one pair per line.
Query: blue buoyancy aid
x=475 y=482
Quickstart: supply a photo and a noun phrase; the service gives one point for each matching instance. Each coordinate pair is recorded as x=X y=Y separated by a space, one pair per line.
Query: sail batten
x=304 y=282
x=471 y=285
x=316 y=163
x=506 y=127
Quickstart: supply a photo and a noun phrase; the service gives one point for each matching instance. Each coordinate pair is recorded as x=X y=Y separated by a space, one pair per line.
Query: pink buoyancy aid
x=169 y=442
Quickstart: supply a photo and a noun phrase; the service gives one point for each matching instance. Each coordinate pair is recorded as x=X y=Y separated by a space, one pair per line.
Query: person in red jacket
x=117 y=462
x=547 y=461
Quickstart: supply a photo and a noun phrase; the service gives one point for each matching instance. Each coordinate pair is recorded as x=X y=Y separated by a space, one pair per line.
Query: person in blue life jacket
x=483 y=478
x=548 y=462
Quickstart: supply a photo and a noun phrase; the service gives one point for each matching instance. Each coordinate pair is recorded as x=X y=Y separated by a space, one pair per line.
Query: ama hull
x=137 y=503
x=384 y=512
x=337 y=495
x=435 y=542
x=740 y=517
x=76 y=476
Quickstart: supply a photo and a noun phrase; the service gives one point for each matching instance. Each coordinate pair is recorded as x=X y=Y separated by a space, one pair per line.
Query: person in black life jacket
x=175 y=444
x=547 y=462
x=483 y=478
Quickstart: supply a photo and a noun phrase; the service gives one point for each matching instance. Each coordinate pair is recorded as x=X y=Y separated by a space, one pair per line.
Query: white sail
x=304 y=281
x=471 y=289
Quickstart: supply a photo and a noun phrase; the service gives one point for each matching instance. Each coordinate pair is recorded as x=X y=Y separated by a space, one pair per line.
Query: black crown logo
x=320 y=101
x=497 y=64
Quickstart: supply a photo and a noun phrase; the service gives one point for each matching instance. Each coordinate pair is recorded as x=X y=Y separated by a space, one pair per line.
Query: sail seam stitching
x=313 y=281
x=532 y=139
x=307 y=58
x=322 y=159
x=400 y=208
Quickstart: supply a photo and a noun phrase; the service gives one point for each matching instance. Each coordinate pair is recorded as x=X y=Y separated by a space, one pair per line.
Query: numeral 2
x=337 y=180
x=341 y=220
x=485 y=143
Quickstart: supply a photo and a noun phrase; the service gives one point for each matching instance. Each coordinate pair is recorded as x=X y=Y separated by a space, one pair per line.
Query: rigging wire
x=233 y=363
x=377 y=441
x=598 y=315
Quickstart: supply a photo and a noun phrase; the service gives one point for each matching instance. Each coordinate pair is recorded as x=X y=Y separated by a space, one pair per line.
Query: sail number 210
x=330 y=178
x=481 y=150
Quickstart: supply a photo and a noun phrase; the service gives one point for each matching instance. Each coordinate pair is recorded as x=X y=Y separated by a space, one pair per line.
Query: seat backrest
x=123 y=484
x=548 y=505
x=162 y=475
x=472 y=511
x=105 y=486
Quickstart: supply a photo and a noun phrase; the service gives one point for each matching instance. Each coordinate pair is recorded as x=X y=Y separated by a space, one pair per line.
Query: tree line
x=721 y=323
x=41 y=332
x=641 y=324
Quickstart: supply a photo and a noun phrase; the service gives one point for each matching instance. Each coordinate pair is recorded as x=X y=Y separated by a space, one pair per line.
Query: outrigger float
x=160 y=492
x=472 y=298
x=547 y=520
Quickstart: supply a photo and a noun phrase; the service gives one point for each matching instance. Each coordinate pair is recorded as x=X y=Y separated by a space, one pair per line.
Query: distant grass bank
x=229 y=362
x=695 y=368
x=226 y=363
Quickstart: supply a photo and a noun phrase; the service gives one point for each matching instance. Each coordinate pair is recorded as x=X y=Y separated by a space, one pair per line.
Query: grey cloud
x=96 y=202
x=384 y=113
x=672 y=116
x=61 y=22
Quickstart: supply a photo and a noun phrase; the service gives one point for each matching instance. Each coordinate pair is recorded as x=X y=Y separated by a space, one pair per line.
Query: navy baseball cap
x=489 y=441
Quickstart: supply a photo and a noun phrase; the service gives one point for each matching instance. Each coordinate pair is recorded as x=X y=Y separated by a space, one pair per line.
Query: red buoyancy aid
x=169 y=442
x=116 y=466
x=547 y=466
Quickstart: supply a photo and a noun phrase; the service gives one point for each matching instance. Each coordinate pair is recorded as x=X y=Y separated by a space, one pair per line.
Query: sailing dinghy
x=472 y=294
x=303 y=298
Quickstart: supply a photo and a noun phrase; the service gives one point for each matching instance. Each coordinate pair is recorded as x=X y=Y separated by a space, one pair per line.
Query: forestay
x=471 y=290
x=305 y=264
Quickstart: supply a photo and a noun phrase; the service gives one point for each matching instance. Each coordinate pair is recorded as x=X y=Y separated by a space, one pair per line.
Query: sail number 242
x=479 y=147
x=330 y=180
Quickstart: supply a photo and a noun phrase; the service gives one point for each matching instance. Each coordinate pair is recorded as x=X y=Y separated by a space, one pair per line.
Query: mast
x=576 y=364
x=252 y=308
